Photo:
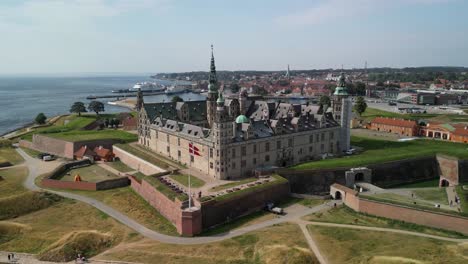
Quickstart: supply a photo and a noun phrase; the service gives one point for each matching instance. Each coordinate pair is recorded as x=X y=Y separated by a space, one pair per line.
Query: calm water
x=21 y=99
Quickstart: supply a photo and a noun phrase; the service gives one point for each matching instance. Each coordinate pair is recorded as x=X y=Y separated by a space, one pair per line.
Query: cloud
x=330 y=10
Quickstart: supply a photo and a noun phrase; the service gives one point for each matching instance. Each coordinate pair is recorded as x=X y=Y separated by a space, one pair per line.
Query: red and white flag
x=194 y=150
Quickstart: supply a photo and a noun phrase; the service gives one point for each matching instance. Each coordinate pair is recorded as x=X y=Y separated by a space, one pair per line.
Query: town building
x=235 y=137
x=397 y=126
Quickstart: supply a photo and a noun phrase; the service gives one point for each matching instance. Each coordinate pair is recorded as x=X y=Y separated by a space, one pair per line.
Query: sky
x=151 y=36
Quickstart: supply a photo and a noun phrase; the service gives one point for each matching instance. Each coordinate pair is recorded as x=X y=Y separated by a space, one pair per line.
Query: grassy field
x=93 y=173
x=71 y=131
x=183 y=179
x=31 y=152
x=423 y=184
x=340 y=245
x=120 y=166
x=438 y=195
x=372 y=113
x=379 y=151
x=145 y=155
x=12 y=181
x=345 y=215
x=247 y=220
x=9 y=154
x=278 y=244
x=232 y=184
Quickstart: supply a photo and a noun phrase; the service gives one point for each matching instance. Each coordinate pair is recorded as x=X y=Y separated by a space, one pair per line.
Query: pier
x=118 y=96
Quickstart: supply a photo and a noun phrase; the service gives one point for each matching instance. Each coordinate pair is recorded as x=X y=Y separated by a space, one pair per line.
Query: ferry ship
x=175 y=89
x=146 y=87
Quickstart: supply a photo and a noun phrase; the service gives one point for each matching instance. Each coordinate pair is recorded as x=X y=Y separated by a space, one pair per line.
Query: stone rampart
x=187 y=222
x=135 y=162
x=52 y=145
x=217 y=212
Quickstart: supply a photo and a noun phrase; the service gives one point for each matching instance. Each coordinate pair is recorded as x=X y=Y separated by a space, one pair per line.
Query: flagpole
x=189 y=185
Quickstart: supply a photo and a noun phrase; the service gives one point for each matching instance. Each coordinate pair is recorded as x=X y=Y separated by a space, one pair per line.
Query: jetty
x=118 y=96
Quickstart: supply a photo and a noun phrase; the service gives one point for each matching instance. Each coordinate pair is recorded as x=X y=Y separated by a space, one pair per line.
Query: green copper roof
x=242 y=119
x=220 y=98
x=340 y=91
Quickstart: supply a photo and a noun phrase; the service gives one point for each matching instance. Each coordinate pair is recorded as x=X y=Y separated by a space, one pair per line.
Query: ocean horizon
x=22 y=98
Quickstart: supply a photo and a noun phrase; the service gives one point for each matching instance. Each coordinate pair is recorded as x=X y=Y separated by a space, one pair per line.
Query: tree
x=360 y=106
x=360 y=88
x=325 y=100
x=41 y=119
x=96 y=107
x=78 y=107
x=176 y=99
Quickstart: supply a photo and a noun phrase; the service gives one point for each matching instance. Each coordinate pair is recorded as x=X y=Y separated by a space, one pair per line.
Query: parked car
x=276 y=210
x=48 y=158
x=42 y=155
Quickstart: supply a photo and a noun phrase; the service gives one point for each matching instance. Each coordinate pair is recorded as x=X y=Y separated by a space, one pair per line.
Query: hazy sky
x=141 y=36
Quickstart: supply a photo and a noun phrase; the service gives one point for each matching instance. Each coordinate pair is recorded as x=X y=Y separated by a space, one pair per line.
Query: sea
x=22 y=98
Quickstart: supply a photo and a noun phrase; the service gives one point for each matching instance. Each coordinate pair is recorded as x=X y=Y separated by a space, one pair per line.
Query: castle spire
x=213 y=80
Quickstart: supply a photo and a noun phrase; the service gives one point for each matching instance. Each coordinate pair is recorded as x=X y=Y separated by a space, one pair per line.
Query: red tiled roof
x=102 y=152
x=395 y=122
x=460 y=130
x=84 y=151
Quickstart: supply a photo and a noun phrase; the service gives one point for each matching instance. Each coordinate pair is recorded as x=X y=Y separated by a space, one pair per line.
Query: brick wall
x=51 y=183
x=313 y=181
x=52 y=145
x=135 y=162
x=448 y=168
x=444 y=221
x=187 y=222
x=217 y=212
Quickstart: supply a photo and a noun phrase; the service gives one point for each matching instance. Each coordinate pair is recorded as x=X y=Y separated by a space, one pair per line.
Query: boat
x=176 y=89
x=146 y=87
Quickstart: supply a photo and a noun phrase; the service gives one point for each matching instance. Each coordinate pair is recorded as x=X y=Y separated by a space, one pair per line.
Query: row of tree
x=94 y=106
x=360 y=105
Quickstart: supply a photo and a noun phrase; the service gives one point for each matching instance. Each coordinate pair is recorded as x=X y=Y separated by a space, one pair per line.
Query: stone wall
x=313 y=181
x=217 y=212
x=187 y=222
x=448 y=168
x=463 y=171
x=112 y=184
x=420 y=217
x=135 y=162
x=404 y=171
x=52 y=145
x=51 y=183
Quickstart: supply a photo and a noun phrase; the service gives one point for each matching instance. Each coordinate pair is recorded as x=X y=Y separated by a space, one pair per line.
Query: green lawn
x=82 y=135
x=232 y=184
x=346 y=215
x=438 y=195
x=120 y=166
x=379 y=151
x=145 y=155
x=463 y=194
x=31 y=152
x=372 y=113
x=183 y=179
x=93 y=173
x=423 y=184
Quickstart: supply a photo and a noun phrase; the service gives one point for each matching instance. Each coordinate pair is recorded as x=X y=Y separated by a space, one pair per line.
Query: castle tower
x=288 y=75
x=212 y=92
x=345 y=134
x=243 y=101
x=340 y=92
x=222 y=130
x=139 y=100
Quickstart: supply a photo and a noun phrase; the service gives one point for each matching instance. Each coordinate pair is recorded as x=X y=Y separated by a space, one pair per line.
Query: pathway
x=23 y=258
x=313 y=246
x=451 y=194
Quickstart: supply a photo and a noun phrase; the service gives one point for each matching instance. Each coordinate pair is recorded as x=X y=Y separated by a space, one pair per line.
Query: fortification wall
x=112 y=184
x=404 y=171
x=187 y=222
x=136 y=163
x=313 y=181
x=463 y=171
x=420 y=217
x=448 y=168
x=217 y=212
x=52 y=145
x=51 y=183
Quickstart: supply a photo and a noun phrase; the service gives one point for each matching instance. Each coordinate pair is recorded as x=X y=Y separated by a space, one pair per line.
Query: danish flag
x=194 y=150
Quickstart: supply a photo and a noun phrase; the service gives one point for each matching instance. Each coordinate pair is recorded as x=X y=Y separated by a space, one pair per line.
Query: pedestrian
x=9 y=257
x=451 y=203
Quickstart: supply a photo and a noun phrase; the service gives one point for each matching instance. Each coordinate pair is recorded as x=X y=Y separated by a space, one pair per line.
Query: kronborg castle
x=231 y=138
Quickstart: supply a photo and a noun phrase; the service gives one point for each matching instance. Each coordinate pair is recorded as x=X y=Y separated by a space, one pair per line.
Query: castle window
x=317 y=138
x=311 y=149
x=243 y=163
x=323 y=136
x=168 y=149
x=233 y=152
x=254 y=148
x=278 y=144
x=211 y=152
x=243 y=151
x=290 y=142
x=178 y=153
x=233 y=165
x=192 y=158
x=167 y=137
x=178 y=141
x=332 y=135
x=211 y=165
x=267 y=158
x=311 y=139
x=254 y=161
x=267 y=146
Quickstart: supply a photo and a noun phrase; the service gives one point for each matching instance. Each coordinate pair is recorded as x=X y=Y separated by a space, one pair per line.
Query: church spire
x=213 y=80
